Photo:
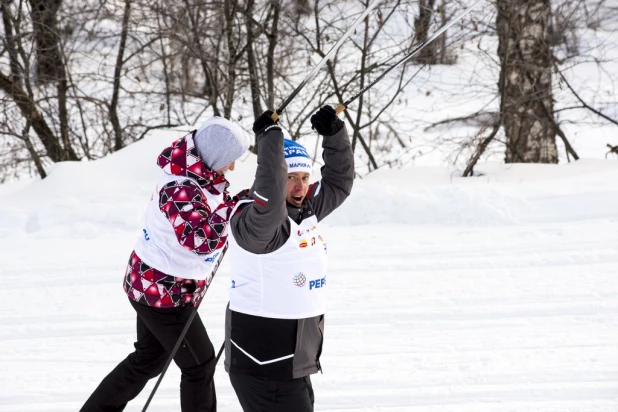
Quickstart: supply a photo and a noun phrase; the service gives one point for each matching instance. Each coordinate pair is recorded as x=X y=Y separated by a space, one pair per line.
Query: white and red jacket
x=184 y=231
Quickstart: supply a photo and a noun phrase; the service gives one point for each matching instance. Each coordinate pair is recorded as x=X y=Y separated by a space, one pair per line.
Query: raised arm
x=259 y=224
x=329 y=193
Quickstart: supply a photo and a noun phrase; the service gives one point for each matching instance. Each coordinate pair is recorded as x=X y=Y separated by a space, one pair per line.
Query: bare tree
x=84 y=79
x=526 y=64
x=18 y=84
x=252 y=64
x=370 y=118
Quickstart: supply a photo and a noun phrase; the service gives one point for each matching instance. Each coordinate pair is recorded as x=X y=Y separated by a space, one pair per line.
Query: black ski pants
x=257 y=394
x=157 y=332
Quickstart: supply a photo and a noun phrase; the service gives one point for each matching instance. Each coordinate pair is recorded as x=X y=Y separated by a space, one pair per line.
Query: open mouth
x=297 y=198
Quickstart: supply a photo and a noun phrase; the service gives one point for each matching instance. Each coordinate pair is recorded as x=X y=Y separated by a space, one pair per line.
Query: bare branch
x=584 y=104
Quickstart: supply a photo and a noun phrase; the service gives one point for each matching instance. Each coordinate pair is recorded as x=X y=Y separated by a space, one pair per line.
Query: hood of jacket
x=181 y=159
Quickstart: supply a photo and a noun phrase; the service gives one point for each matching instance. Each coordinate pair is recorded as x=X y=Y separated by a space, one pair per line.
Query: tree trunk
x=254 y=82
x=198 y=50
x=302 y=8
x=50 y=63
x=63 y=114
x=229 y=8
x=33 y=153
x=46 y=38
x=113 y=107
x=16 y=71
x=31 y=113
x=270 y=60
x=525 y=59
x=421 y=31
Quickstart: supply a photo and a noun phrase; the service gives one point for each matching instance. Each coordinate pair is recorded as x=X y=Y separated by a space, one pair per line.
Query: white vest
x=289 y=283
x=159 y=246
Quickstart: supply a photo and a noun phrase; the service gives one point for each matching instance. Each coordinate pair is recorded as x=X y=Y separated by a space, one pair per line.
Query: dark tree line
x=79 y=80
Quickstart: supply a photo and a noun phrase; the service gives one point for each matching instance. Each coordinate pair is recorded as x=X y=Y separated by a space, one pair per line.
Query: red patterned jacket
x=196 y=226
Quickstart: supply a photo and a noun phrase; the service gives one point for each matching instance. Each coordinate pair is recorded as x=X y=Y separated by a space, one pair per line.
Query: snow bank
x=500 y=194
x=87 y=199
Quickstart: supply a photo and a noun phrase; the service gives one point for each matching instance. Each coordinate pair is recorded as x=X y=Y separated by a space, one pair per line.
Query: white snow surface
x=493 y=293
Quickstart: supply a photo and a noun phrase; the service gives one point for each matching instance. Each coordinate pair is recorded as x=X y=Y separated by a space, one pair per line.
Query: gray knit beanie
x=219 y=142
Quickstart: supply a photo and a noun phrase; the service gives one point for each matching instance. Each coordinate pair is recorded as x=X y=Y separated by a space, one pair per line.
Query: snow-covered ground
x=493 y=293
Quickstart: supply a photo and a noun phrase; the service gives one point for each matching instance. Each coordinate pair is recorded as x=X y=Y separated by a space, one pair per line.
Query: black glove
x=263 y=121
x=243 y=194
x=326 y=122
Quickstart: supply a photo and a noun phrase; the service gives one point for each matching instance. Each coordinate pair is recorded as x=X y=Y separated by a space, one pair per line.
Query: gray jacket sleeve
x=261 y=224
x=329 y=193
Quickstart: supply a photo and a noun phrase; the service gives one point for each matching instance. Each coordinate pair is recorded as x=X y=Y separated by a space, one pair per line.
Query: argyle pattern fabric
x=197 y=228
x=149 y=286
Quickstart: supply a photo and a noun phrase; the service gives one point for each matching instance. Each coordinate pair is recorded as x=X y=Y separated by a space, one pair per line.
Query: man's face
x=298 y=184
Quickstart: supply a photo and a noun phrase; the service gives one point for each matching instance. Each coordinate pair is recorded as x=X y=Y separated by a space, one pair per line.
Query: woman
x=185 y=230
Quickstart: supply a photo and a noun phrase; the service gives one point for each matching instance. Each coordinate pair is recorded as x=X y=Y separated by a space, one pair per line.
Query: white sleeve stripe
x=260 y=196
x=257 y=361
x=317 y=189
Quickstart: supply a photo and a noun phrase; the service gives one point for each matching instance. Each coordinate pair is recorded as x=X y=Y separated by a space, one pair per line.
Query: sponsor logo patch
x=299 y=164
x=302 y=232
x=318 y=283
x=212 y=258
x=299 y=279
x=292 y=151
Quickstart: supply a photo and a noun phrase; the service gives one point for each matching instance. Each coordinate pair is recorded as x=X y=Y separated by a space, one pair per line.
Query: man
x=172 y=265
x=275 y=319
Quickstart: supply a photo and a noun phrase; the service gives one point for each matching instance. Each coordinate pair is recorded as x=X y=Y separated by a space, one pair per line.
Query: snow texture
x=493 y=293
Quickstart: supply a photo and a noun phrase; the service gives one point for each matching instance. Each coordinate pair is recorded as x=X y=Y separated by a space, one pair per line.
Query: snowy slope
x=493 y=293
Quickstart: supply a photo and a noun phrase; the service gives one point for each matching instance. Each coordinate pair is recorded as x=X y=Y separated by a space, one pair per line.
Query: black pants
x=258 y=394
x=157 y=333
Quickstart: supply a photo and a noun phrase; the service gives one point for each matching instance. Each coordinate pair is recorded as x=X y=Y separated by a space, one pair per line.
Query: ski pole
x=342 y=106
x=328 y=55
x=182 y=336
x=220 y=352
